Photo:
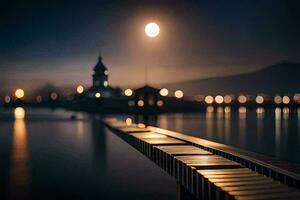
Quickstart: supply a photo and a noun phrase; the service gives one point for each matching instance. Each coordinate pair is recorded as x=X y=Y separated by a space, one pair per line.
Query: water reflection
x=277 y=130
x=19 y=113
x=242 y=125
x=260 y=113
x=20 y=175
x=227 y=119
x=163 y=121
x=178 y=121
x=220 y=122
x=209 y=121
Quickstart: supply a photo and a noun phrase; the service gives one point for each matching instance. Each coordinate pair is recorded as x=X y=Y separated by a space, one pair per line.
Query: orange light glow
x=286 y=100
x=278 y=99
x=19 y=93
x=219 y=99
x=141 y=125
x=209 y=99
x=259 y=99
x=160 y=103
x=285 y=110
x=131 y=103
x=140 y=103
x=178 y=94
x=220 y=110
x=260 y=110
x=164 y=92
x=128 y=121
x=128 y=92
x=20 y=173
x=242 y=109
x=242 y=99
x=210 y=109
x=227 y=109
x=19 y=113
x=227 y=99
x=80 y=89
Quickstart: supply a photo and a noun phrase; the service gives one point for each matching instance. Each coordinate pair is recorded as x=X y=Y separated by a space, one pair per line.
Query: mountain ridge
x=281 y=77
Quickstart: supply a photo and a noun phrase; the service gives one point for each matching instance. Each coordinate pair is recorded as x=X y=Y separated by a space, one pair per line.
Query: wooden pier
x=210 y=170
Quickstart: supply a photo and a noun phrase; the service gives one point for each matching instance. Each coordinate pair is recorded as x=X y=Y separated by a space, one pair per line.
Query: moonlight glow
x=152 y=29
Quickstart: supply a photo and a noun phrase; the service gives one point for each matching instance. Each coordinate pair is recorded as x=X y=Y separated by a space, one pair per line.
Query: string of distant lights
x=179 y=94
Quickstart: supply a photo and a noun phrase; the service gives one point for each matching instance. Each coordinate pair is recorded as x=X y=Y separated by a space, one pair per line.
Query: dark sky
x=58 y=41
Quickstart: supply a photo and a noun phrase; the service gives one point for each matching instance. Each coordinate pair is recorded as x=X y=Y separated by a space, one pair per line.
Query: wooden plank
x=133 y=129
x=239 y=179
x=148 y=135
x=161 y=141
x=285 y=195
x=200 y=158
x=183 y=150
x=262 y=191
x=241 y=183
x=225 y=171
x=232 y=175
x=252 y=187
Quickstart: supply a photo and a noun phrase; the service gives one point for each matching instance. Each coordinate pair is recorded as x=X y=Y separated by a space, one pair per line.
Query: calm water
x=48 y=156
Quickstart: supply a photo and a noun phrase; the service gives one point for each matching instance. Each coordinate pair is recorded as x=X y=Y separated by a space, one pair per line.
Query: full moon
x=152 y=29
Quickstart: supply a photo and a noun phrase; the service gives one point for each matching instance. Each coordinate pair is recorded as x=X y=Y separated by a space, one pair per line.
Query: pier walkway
x=210 y=170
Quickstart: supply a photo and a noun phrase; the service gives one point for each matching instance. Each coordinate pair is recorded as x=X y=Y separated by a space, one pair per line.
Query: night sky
x=58 y=41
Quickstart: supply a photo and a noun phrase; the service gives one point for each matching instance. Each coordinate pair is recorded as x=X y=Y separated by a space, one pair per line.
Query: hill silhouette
x=283 y=77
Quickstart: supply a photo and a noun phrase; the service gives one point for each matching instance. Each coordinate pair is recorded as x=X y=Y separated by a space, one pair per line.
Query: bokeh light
x=39 y=99
x=297 y=98
x=160 y=103
x=128 y=92
x=53 y=96
x=178 y=94
x=7 y=99
x=80 y=89
x=19 y=93
x=209 y=99
x=242 y=99
x=259 y=99
x=286 y=100
x=278 y=99
x=227 y=99
x=140 y=103
x=164 y=92
x=219 y=99
x=98 y=95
